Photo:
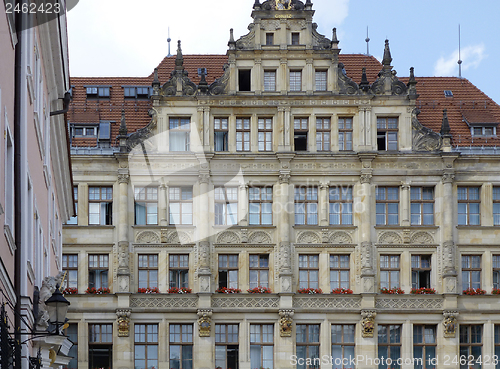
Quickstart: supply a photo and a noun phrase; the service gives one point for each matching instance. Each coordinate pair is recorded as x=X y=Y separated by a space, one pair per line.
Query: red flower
x=423 y=291
x=70 y=291
x=392 y=291
x=227 y=290
x=310 y=291
x=259 y=289
x=342 y=291
x=149 y=290
x=495 y=291
x=179 y=290
x=473 y=291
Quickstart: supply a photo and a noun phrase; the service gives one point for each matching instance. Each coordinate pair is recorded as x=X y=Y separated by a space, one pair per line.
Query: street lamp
x=57 y=307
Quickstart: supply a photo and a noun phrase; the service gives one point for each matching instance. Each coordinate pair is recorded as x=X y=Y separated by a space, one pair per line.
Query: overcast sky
x=129 y=38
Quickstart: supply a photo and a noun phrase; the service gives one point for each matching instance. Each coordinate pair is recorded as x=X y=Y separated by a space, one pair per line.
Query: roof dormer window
x=482 y=131
x=97 y=91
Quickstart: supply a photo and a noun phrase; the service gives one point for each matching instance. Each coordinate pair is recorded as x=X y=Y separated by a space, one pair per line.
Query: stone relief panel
x=308 y=237
x=391 y=238
x=228 y=237
x=270 y=25
x=340 y=237
x=147 y=237
x=170 y=302
x=260 y=237
x=175 y=237
x=409 y=304
x=422 y=238
x=325 y=303
x=245 y=302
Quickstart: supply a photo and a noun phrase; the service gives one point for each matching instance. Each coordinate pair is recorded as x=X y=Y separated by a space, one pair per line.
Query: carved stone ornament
x=308 y=237
x=204 y=255
x=175 y=237
x=285 y=256
x=247 y=41
x=147 y=237
x=448 y=178
x=204 y=177
x=228 y=237
x=422 y=238
x=170 y=88
x=259 y=237
x=220 y=85
x=284 y=178
x=346 y=85
x=390 y=238
x=365 y=178
x=48 y=288
x=204 y=322
x=286 y=323
x=318 y=39
x=123 y=321
x=123 y=178
x=450 y=323
x=366 y=255
x=340 y=237
x=143 y=134
x=424 y=139
x=368 y=323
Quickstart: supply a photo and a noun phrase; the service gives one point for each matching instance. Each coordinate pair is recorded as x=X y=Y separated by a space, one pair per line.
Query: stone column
x=405 y=204
x=449 y=248
x=309 y=76
x=257 y=77
x=282 y=80
x=205 y=130
x=288 y=129
x=323 y=203
x=123 y=273
x=233 y=75
x=243 y=204
x=204 y=273
x=285 y=251
x=363 y=208
x=311 y=144
x=162 y=205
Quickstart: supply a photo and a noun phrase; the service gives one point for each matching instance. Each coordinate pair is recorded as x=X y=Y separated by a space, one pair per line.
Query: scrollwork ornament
x=365 y=178
x=204 y=322
x=368 y=323
x=123 y=321
x=448 y=178
x=123 y=178
x=204 y=178
x=286 y=323
x=284 y=178
x=450 y=323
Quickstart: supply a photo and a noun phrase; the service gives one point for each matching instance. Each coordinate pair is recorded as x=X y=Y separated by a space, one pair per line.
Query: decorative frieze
x=336 y=302
x=401 y=303
x=245 y=302
x=173 y=301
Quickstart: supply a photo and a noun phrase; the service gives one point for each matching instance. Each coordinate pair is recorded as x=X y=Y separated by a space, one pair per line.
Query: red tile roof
x=431 y=102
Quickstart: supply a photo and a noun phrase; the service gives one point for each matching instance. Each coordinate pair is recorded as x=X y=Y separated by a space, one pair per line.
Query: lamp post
x=57 y=307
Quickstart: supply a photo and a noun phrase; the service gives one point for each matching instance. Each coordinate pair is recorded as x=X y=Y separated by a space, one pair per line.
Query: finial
x=123 y=125
x=179 y=60
x=334 y=35
x=412 y=83
x=387 y=55
x=231 y=35
x=168 y=40
x=256 y=5
x=364 y=84
x=156 y=81
x=459 y=62
x=445 y=126
x=308 y=5
x=203 y=85
x=231 y=43
x=367 y=39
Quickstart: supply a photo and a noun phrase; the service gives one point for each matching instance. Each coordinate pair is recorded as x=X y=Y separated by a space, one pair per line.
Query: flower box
x=392 y=291
x=495 y=291
x=423 y=291
x=259 y=289
x=70 y=291
x=149 y=290
x=474 y=291
x=341 y=291
x=98 y=291
x=179 y=290
x=227 y=290
x=310 y=291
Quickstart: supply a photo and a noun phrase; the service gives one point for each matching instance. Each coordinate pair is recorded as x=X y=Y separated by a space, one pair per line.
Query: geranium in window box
x=474 y=291
x=342 y=291
x=495 y=291
x=423 y=291
x=149 y=290
x=392 y=291
x=179 y=290
x=227 y=290
x=98 y=291
x=259 y=289
x=310 y=291
x=70 y=291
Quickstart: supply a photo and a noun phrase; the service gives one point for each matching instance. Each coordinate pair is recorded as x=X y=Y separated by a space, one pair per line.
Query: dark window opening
x=300 y=141
x=244 y=80
x=421 y=271
x=381 y=142
x=269 y=38
x=295 y=38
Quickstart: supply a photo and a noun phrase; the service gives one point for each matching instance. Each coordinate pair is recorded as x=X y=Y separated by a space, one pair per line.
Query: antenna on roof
x=459 y=60
x=367 y=39
x=168 y=40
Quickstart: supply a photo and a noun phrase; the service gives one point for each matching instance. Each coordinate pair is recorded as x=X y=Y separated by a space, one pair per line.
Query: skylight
x=448 y=93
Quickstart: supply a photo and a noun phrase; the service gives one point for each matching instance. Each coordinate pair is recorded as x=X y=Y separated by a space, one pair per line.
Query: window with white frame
x=269 y=80
x=261 y=346
x=98 y=91
x=148 y=270
x=260 y=205
x=242 y=134
x=295 y=80
x=387 y=134
x=259 y=270
x=340 y=205
x=136 y=92
x=100 y=205
x=339 y=271
x=321 y=80
x=420 y=271
x=387 y=205
x=496 y=205
x=389 y=271
x=422 y=205
x=345 y=134
x=226 y=205
x=265 y=137
x=469 y=202
x=178 y=270
x=146 y=205
x=228 y=271
x=306 y=205
x=180 y=133
x=220 y=134
x=323 y=134
x=180 y=205
x=308 y=271
x=483 y=131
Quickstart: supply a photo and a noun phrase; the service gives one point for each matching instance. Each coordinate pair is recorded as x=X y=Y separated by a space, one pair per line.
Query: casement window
x=98 y=91
x=83 y=131
x=98 y=270
x=471 y=346
x=295 y=38
x=72 y=333
x=260 y=205
x=242 y=134
x=421 y=271
x=259 y=270
x=497 y=344
x=307 y=342
x=70 y=267
x=496 y=271
x=181 y=205
x=148 y=270
x=226 y=205
x=226 y=346
x=323 y=134
x=345 y=134
x=137 y=92
x=321 y=80
x=269 y=80
x=389 y=343
x=178 y=270
x=387 y=134
x=483 y=131
x=306 y=205
x=496 y=206
x=389 y=271
x=146 y=205
x=265 y=134
x=74 y=220
x=308 y=271
x=146 y=345
x=340 y=205
x=422 y=205
x=244 y=80
x=180 y=133
x=387 y=205
x=471 y=271
x=424 y=346
x=343 y=345
x=295 y=80
x=469 y=202
x=228 y=271
x=261 y=345
x=269 y=39
x=101 y=205
x=221 y=134
x=339 y=271
x=300 y=130
x=181 y=346
x=101 y=346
